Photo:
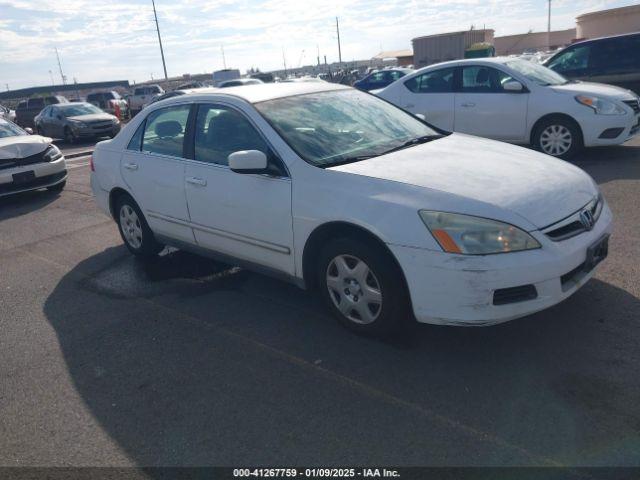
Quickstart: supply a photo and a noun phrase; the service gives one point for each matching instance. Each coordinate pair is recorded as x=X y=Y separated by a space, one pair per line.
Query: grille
x=504 y=296
x=635 y=104
x=19 y=162
x=576 y=227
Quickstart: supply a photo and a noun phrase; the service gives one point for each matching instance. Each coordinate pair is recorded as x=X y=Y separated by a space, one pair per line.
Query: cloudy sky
x=115 y=39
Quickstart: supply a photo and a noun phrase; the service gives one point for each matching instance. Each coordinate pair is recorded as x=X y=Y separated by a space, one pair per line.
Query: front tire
x=134 y=230
x=69 y=136
x=363 y=287
x=559 y=137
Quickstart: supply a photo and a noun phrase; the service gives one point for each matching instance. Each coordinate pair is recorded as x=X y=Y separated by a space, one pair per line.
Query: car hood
x=534 y=186
x=590 y=88
x=22 y=146
x=91 y=117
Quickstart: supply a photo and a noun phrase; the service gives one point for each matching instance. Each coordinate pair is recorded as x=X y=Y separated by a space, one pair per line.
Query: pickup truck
x=111 y=102
x=142 y=96
x=28 y=109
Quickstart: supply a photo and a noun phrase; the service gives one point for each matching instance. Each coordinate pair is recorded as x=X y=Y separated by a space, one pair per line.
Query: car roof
x=466 y=61
x=267 y=91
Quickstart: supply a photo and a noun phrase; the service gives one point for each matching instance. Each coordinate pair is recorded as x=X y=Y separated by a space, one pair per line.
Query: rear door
x=483 y=108
x=153 y=168
x=247 y=216
x=432 y=95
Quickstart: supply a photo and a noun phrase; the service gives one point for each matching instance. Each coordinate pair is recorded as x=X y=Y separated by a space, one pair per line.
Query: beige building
x=614 y=21
x=533 y=42
x=446 y=46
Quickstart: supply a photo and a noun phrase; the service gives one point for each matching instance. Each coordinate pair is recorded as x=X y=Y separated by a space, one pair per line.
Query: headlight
x=52 y=153
x=600 y=105
x=470 y=235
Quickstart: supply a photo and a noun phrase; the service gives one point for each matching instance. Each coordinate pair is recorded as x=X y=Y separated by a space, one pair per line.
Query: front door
x=247 y=216
x=483 y=108
x=153 y=168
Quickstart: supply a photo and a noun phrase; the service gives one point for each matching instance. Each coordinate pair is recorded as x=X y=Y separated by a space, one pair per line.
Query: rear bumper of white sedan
x=469 y=290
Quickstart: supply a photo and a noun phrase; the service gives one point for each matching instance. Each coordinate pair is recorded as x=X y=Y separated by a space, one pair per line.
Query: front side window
x=437 y=81
x=220 y=131
x=337 y=127
x=165 y=130
x=572 y=60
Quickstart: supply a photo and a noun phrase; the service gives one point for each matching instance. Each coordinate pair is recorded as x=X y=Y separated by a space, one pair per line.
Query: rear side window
x=138 y=91
x=36 y=103
x=619 y=55
x=437 y=81
x=135 y=143
x=165 y=130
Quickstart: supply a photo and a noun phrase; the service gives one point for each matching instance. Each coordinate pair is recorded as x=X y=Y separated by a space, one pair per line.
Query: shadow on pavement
x=189 y=362
x=24 y=203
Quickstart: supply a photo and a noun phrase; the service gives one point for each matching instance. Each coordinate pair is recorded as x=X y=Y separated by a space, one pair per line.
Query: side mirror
x=512 y=86
x=29 y=130
x=248 y=161
x=421 y=117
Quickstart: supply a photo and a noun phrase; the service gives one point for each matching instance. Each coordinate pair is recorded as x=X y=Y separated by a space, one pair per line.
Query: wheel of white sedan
x=558 y=137
x=134 y=229
x=362 y=286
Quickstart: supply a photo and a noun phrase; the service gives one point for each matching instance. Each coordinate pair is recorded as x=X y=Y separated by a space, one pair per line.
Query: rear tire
x=559 y=137
x=134 y=229
x=363 y=287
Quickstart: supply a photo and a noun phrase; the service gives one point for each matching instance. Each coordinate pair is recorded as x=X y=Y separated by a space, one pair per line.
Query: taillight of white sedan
x=337 y=190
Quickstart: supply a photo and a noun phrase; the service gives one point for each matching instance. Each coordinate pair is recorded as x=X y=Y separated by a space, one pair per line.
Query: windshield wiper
x=344 y=161
x=413 y=142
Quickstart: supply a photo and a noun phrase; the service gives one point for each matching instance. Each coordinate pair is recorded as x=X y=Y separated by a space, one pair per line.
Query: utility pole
x=549 y=26
x=339 y=48
x=224 y=60
x=155 y=15
x=51 y=75
x=284 y=61
x=64 y=79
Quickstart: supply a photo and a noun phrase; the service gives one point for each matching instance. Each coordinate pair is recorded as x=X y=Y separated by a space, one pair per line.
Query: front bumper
x=593 y=129
x=47 y=174
x=451 y=289
x=98 y=131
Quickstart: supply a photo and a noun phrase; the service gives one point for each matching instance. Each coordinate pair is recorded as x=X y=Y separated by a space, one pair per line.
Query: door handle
x=410 y=105
x=468 y=104
x=131 y=166
x=201 y=182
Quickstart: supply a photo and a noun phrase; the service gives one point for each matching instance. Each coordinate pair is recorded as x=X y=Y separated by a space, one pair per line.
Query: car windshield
x=8 y=129
x=336 y=127
x=79 y=109
x=537 y=73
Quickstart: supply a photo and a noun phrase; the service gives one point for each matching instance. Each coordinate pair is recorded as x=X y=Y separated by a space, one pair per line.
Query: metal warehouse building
x=446 y=46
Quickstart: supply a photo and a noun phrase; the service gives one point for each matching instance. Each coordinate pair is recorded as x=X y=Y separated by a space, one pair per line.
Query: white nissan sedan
x=28 y=162
x=337 y=190
x=516 y=101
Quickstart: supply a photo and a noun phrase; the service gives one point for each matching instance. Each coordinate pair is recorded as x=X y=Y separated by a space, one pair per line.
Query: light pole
x=549 y=25
x=155 y=15
x=339 y=48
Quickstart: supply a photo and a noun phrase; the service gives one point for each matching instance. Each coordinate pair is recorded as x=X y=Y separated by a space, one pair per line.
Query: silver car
x=72 y=121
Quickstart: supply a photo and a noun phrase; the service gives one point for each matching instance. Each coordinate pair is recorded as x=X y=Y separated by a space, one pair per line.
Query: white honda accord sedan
x=337 y=190
x=516 y=101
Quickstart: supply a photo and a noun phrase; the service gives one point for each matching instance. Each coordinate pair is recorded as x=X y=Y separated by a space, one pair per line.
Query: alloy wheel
x=556 y=140
x=131 y=228
x=354 y=289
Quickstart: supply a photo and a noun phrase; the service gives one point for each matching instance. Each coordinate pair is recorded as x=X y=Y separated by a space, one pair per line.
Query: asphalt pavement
x=105 y=360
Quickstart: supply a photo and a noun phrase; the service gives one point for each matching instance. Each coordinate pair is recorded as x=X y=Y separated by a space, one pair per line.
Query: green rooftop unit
x=480 y=50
